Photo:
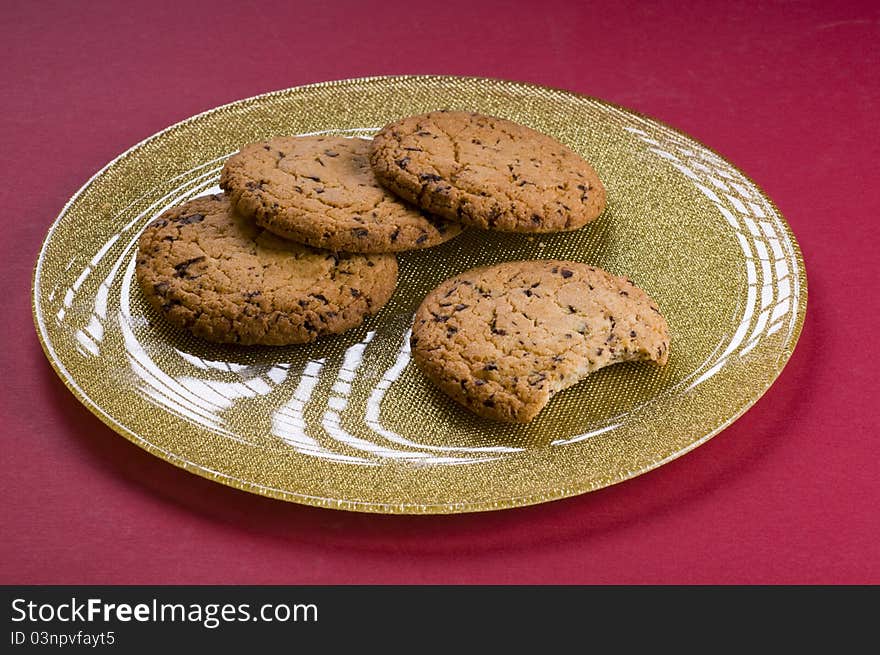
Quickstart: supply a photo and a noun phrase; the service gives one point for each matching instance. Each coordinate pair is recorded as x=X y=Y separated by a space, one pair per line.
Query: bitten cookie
x=487 y=172
x=320 y=190
x=213 y=272
x=501 y=340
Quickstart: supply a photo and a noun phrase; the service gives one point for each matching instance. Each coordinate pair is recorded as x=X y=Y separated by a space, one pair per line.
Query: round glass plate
x=348 y=422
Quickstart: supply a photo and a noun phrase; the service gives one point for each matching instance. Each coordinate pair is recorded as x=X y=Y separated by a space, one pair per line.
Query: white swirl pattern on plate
x=763 y=240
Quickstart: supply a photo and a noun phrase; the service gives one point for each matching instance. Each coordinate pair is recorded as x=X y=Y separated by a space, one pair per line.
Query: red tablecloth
x=787 y=91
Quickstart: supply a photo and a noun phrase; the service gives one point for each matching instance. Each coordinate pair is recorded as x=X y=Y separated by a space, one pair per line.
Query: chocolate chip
x=331 y=153
x=461 y=306
x=356 y=293
x=491 y=366
x=566 y=273
x=422 y=238
x=321 y=297
x=188 y=220
x=401 y=163
x=360 y=232
x=495 y=329
x=489 y=402
x=181 y=269
x=429 y=177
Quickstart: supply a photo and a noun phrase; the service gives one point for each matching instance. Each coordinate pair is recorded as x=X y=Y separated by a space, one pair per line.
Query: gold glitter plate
x=348 y=422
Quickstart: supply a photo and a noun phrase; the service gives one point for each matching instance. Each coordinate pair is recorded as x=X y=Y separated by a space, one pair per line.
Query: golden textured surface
x=348 y=422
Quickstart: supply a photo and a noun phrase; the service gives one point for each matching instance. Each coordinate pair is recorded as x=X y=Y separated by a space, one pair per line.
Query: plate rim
x=403 y=508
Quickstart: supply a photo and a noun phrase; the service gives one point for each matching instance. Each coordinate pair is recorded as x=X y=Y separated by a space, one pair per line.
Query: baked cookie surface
x=321 y=191
x=213 y=272
x=487 y=172
x=501 y=340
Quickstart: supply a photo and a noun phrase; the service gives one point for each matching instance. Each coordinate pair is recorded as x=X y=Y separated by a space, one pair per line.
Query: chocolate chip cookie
x=501 y=340
x=487 y=172
x=320 y=190
x=210 y=270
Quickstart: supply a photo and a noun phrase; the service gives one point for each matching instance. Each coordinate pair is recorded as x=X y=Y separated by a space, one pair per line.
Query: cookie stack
x=303 y=244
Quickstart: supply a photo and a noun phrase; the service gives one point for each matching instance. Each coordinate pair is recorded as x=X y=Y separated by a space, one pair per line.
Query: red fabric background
x=787 y=91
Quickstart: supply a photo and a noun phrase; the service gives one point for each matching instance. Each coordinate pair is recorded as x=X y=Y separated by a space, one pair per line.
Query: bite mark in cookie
x=502 y=340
